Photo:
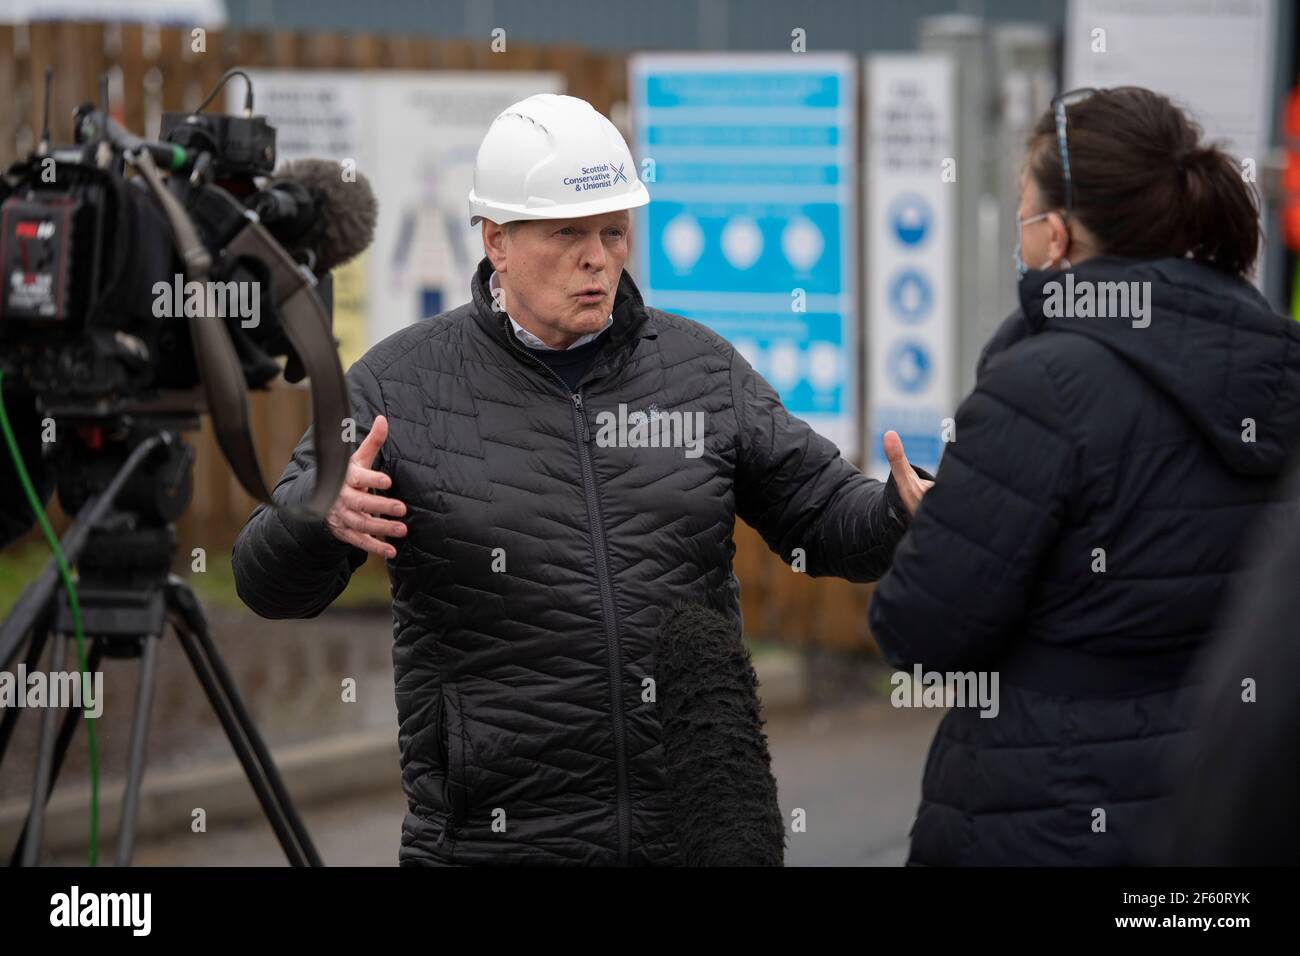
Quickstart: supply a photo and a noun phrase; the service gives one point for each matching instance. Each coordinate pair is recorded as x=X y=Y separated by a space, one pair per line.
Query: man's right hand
x=356 y=515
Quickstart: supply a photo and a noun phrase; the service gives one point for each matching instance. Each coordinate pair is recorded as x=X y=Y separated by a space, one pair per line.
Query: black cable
x=248 y=95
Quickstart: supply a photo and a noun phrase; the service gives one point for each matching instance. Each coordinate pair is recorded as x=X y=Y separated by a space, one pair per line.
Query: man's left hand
x=911 y=486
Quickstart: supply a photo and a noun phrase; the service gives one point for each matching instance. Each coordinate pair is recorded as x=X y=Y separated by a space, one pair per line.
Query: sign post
x=912 y=177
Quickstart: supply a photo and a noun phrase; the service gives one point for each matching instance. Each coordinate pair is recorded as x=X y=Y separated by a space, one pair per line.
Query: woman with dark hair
x=1127 y=431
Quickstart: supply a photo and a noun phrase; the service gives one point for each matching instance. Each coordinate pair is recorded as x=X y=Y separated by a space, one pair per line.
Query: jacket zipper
x=600 y=550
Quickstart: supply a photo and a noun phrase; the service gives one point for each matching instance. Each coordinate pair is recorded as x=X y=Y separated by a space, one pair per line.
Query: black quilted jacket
x=528 y=727
x=1089 y=440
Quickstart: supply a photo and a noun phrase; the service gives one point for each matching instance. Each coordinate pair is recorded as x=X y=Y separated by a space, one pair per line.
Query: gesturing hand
x=355 y=515
x=911 y=486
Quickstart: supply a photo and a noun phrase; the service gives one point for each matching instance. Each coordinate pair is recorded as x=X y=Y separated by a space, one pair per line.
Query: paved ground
x=853 y=768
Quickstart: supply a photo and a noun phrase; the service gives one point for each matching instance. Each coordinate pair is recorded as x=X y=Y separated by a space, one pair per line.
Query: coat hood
x=1205 y=338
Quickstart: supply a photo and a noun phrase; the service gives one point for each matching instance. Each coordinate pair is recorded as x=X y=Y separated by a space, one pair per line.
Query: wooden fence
x=155 y=69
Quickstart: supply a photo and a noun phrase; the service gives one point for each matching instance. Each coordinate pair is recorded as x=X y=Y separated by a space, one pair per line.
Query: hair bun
x=1197 y=157
x=1149 y=186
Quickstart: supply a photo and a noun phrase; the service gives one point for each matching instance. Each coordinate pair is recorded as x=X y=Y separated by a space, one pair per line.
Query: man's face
x=559 y=276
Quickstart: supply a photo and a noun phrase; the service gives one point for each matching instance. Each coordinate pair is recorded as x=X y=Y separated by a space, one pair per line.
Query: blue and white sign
x=911 y=255
x=909 y=218
x=750 y=164
x=911 y=295
x=909 y=366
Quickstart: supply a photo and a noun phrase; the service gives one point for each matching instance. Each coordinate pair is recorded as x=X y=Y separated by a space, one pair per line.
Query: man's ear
x=494 y=244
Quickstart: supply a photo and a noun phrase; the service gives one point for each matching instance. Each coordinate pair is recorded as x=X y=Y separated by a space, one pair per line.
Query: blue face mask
x=1021 y=268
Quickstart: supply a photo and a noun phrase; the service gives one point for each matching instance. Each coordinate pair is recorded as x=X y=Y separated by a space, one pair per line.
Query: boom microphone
x=720 y=778
x=311 y=204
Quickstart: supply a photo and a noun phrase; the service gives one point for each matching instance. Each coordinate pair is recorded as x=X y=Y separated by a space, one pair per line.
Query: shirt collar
x=532 y=341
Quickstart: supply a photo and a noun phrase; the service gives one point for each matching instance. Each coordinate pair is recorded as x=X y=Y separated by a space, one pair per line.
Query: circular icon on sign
x=910 y=296
x=909 y=366
x=909 y=218
x=783 y=356
x=742 y=242
x=824 y=366
x=802 y=243
x=683 y=241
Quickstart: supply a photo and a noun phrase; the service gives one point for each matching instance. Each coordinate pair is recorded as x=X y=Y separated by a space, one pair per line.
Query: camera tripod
x=126 y=493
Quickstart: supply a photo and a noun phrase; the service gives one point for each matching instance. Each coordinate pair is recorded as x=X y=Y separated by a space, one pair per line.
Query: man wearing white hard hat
x=548 y=469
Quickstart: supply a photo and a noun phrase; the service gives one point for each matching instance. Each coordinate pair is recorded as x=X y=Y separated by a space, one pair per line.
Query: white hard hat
x=552 y=157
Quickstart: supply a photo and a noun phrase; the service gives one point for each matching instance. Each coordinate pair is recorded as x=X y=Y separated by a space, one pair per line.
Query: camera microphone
x=721 y=790
x=322 y=207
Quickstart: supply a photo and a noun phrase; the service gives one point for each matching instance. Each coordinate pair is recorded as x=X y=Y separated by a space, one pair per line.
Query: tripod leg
x=44 y=766
x=60 y=749
x=244 y=736
x=221 y=707
x=135 y=762
x=74 y=716
x=39 y=636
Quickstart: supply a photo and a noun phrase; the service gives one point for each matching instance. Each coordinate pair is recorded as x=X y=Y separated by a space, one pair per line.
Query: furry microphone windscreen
x=345 y=214
x=722 y=791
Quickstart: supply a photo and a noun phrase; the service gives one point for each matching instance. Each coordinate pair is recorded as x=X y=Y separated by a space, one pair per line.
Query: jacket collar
x=631 y=319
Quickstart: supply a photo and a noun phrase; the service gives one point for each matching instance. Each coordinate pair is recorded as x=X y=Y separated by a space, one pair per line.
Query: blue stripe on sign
x=764 y=327
x=742 y=136
x=748 y=174
x=769 y=90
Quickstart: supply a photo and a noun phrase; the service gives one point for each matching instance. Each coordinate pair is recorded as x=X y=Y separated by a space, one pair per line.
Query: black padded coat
x=1087 y=523
x=528 y=730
